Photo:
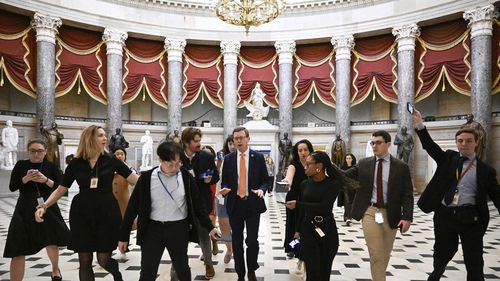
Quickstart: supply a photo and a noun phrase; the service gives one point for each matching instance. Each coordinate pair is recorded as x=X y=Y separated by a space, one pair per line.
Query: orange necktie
x=242 y=189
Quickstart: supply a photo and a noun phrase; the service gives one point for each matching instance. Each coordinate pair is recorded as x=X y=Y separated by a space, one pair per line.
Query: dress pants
x=240 y=216
x=158 y=236
x=379 y=240
x=449 y=225
x=319 y=252
x=205 y=244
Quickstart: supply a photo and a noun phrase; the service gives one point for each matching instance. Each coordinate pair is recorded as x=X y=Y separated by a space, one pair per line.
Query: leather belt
x=376 y=205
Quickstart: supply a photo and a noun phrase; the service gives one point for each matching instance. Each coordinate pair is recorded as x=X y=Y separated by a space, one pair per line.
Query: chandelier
x=248 y=12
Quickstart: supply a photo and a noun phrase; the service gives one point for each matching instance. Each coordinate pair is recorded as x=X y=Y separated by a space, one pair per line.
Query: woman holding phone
x=35 y=179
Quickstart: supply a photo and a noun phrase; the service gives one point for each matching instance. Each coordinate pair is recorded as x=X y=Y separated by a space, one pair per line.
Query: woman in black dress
x=94 y=216
x=294 y=176
x=346 y=197
x=317 y=229
x=34 y=178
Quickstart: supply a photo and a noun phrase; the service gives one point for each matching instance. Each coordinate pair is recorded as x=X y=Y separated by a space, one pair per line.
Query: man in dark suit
x=201 y=165
x=457 y=194
x=384 y=201
x=244 y=183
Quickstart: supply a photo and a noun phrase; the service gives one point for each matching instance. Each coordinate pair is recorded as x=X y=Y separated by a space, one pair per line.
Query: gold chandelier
x=248 y=12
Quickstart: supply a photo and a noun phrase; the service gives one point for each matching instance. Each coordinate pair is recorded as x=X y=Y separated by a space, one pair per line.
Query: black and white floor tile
x=411 y=259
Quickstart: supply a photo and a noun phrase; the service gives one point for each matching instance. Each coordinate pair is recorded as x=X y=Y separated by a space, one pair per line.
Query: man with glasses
x=166 y=201
x=384 y=201
x=244 y=177
x=201 y=165
x=458 y=195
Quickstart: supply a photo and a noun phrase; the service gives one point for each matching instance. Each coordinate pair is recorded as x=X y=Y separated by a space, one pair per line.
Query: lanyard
x=461 y=176
x=168 y=192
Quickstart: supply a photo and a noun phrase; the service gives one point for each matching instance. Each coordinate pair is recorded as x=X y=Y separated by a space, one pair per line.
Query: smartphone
x=409 y=107
x=401 y=228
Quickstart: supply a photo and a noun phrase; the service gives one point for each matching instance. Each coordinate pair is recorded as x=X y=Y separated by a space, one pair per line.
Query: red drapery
x=145 y=68
x=314 y=70
x=203 y=70
x=374 y=69
x=258 y=64
x=17 y=52
x=443 y=50
x=495 y=57
x=81 y=58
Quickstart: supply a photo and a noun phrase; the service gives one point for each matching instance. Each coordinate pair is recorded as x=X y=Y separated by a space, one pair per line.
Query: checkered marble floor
x=411 y=259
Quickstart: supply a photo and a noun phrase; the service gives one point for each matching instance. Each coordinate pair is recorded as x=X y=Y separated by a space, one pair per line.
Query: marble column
x=114 y=39
x=480 y=21
x=405 y=36
x=343 y=45
x=46 y=30
x=230 y=51
x=285 y=51
x=175 y=49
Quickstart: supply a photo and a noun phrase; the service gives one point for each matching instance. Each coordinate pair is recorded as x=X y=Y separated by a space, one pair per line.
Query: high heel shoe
x=57 y=278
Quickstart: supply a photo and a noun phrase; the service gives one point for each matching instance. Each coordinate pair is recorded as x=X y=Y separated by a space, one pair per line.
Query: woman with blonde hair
x=94 y=215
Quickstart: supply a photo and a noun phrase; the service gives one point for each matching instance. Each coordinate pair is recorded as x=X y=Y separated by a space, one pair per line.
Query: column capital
x=405 y=36
x=343 y=44
x=46 y=27
x=114 y=39
x=481 y=19
x=230 y=50
x=175 y=48
x=285 y=50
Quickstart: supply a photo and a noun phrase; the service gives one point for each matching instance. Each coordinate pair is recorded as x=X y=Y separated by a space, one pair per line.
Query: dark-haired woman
x=347 y=196
x=35 y=179
x=318 y=231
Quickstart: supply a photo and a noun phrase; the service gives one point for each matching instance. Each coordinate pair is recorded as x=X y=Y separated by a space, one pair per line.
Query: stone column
x=175 y=49
x=405 y=36
x=481 y=20
x=114 y=39
x=285 y=51
x=230 y=51
x=343 y=46
x=46 y=30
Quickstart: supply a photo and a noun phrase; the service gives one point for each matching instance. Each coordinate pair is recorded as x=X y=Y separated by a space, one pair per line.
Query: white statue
x=147 y=151
x=256 y=107
x=369 y=149
x=10 y=139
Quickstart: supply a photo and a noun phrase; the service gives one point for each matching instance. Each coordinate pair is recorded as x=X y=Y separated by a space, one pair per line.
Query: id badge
x=220 y=199
x=379 y=218
x=456 y=196
x=40 y=200
x=191 y=171
x=319 y=231
x=93 y=182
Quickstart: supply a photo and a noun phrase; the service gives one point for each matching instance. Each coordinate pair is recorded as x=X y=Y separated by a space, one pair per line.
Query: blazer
x=257 y=176
x=445 y=176
x=399 y=203
x=139 y=206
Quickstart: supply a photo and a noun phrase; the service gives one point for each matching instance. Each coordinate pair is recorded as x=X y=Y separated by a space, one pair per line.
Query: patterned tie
x=242 y=189
x=380 y=189
x=448 y=198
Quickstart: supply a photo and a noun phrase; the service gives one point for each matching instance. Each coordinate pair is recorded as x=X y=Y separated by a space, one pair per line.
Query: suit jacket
x=200 y=163
x=399 y=203
x=445 y=177
x=139 y=206
x=257 y=175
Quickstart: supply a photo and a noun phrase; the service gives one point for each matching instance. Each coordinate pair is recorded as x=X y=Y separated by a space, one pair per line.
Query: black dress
x=94 y=216
x=315 y=207
x=26 y=236
x=292 y=215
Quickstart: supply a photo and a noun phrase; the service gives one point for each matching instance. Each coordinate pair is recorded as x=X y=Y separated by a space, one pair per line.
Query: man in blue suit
x=244 y=183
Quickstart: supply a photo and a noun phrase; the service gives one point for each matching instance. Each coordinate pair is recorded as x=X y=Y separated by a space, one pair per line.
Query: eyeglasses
x=35 y=151
x=170 y=165
x=239 y=138
x=373 y=143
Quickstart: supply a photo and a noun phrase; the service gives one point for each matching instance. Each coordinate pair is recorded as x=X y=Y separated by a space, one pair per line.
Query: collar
x=386 y=158
x=247 y=152
x=159 y=171
x=470 y=157
x=189 y=157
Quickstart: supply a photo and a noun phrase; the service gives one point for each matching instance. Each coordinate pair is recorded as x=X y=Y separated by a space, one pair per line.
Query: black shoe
x=57 y=278
x=251 y=276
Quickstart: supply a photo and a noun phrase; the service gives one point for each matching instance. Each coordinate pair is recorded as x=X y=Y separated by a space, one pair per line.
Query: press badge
x=379 y=218
x=191 y=171
x=319 y=231
x=40 y=200
x=93 y=182
x=456 y=196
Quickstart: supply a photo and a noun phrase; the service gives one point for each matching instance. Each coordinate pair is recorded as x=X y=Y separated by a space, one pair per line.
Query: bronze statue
x=338 y=151
x=285 y=149
x=174 y=136
x=480 y=131
x=117 y=141
x=53 y=138
x=404 y=141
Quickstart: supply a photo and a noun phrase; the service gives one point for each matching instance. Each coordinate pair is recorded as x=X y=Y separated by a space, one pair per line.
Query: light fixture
x=248 y=12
